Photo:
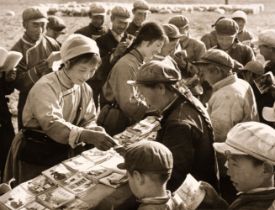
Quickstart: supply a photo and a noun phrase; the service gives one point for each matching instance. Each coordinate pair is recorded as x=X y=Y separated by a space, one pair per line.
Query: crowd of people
x=215 y=101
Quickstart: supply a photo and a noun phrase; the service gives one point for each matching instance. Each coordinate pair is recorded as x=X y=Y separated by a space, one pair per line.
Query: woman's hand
x=99 y=139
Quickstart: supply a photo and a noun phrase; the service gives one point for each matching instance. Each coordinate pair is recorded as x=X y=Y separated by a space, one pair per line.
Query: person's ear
x=67 y=65
x=139 y=177
x=25 y=24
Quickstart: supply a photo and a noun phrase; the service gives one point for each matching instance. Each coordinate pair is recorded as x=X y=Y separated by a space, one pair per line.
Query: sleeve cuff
x=74 y=136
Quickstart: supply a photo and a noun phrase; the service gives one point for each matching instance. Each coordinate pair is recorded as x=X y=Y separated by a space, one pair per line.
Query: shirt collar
x=260 y=189
x=118 y=37
x=65 y=80
x=156 y=200
x=138 y=55
x=224 y=82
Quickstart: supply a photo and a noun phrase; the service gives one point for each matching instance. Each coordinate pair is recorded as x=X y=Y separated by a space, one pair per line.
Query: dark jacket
x=133 y=29
x=186 y=130
x=91 y=31
x=210 y=39
x=106 y=44
x=240 y=52
x=34 y=56
x=254 y=201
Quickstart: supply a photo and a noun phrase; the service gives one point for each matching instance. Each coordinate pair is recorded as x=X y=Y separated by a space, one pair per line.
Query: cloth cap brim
x=223 y=147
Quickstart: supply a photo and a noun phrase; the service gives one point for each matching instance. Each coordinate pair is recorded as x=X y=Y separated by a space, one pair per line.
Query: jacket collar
x=224 y=82
x=156 y=200
x=138 y=55
x=65 y=80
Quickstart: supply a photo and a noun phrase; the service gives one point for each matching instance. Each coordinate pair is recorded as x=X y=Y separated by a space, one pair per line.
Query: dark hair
x=151 y=32
x=161 y=177
x=255 y=161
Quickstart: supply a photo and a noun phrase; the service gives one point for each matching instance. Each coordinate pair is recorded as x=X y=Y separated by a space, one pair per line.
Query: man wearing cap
x=210 y=39
x=227 y=30
x=140 y=11
x=250 y=152
x=111 y=46
x=185 y=125
x=149 y=166
x=55 y=27
x=194 y=48
x=241 y=19
x=266 y=44
x=35 y=48
x=232 y=100
x=96 y=28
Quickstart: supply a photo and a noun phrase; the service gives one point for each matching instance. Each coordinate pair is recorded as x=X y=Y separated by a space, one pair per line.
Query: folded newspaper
x=9 y=59
x=189 y=193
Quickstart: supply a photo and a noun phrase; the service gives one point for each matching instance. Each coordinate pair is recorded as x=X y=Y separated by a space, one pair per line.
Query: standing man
x=241 y=19
x=36 y=48
x=232 y=102
x=140 y=11
x=55 y=27
x=96 y=28
x=227 y=31
x=194 y=48
x=185 y=125
x=111 y=47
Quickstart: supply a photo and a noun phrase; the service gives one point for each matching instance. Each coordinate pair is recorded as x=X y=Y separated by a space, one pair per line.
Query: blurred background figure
x=55 y=27
x=194 y=48
x=140 y=11
x=96 y=27
x=241 y=19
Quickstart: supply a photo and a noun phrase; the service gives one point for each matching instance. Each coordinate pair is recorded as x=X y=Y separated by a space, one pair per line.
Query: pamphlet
x=189 y=193
x=97 y=172
x=265 y=82
x=58 y=173
x=56 y=198
x=9 y=59
x=34 y=206
x=96 y=155
x=78 y=184
x=76 y=204
x=78 y=163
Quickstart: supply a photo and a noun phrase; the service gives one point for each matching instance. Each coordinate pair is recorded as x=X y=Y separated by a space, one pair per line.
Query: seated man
x=185 y=125
x=250 y=152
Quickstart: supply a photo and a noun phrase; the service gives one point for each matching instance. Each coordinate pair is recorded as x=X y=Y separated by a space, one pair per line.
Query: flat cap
x=179 y=21
x=267 y=38
x=215 y=56
x=35 y=14
x=77 y=44
x=250 y=138
x=122 y=12
x=141 y=5
x=172 y=31
x=97 y=9
x=148 y=156
x=156 y=72
x=56 y=23
x=239 y=14
x=226 y=27
x=255 y=67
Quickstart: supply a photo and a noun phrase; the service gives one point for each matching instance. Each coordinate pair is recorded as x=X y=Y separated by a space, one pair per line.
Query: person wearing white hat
x=250 y=152
x=59 y=112
x=35 y=47
x=241 y=19
x=96 y=27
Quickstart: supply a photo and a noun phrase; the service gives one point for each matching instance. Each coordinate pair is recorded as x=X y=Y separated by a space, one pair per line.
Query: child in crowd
x=149 y=166
x=250 y=152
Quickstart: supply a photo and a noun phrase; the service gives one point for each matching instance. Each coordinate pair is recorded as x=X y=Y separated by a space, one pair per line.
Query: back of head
x=150 y=31
x=226 y=27
x=267 y=38
x=171 y=31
